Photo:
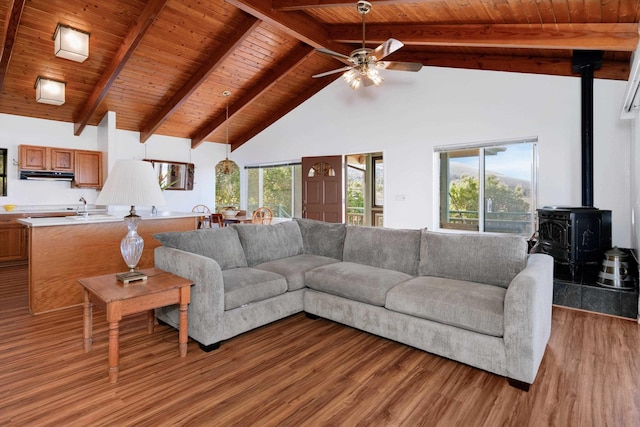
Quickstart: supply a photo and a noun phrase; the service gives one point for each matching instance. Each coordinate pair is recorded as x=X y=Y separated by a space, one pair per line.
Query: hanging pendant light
x=226 y=166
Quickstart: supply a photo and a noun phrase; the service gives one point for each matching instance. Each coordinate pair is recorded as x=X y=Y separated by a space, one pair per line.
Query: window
x=378 y=182
x=278 y=187
x=227 y=190
x=489 y=187
x=3 y=172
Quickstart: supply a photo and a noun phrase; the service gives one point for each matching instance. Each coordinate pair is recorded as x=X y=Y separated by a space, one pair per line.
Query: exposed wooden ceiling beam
x=11 y=23
x=279 y=72
x=612 y=37
x=614 y=70
x=298 y=25
x=129 y=45
x=289 y=5
x=314 y=87
x=242 y=31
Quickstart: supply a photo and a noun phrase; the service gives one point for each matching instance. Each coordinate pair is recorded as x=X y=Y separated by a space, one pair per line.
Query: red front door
x=322 y=188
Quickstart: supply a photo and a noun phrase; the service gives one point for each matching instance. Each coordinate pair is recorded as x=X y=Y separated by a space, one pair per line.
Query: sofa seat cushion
x=357 y=282
x=468 y=305
x=293 y=268
x=246 y=285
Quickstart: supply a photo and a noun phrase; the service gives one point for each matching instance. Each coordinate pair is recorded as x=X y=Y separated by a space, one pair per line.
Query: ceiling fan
x=363 y=63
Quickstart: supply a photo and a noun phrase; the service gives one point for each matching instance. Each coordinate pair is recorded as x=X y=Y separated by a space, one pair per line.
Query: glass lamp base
x=132 y=244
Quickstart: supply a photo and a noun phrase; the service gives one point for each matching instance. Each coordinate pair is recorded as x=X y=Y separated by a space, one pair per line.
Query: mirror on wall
x=173 y=175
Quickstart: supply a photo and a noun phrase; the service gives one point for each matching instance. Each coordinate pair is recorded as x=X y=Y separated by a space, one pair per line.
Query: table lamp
x=131 y=183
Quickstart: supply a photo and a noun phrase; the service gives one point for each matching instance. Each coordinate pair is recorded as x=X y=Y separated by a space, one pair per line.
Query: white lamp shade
x=70 y=43
x=131 y=183
x=50 y=91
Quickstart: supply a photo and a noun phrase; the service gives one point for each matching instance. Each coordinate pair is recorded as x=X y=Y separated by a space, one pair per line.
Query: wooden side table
x=117 y=299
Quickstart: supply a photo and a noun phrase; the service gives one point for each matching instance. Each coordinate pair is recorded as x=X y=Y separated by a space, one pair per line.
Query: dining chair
x=262 y=215
x=204 y=220
x=217 y=218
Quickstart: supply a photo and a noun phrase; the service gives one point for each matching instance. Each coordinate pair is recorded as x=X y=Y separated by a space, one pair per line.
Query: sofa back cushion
x=262 y=243
x=484 y=258
x=383 y=247
x=220 y=244
x=322 y=238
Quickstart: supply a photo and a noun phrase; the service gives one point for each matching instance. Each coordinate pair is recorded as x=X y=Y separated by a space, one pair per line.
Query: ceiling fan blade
x=340 y=57
x=328 y=73
x=399 y=66
x=386 y=48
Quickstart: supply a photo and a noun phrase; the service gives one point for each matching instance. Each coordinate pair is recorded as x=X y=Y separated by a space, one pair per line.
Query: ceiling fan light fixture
x=375 y=76
x=226 y=166
x=352 y=77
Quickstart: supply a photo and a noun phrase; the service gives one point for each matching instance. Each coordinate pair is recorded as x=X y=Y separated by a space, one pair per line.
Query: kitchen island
x=63 y=249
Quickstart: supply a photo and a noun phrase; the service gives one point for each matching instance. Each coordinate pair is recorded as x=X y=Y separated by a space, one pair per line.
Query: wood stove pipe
x=585 y=62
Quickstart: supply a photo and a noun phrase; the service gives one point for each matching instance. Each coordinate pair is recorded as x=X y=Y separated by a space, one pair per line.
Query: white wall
x=413 y=112
x=115 y=144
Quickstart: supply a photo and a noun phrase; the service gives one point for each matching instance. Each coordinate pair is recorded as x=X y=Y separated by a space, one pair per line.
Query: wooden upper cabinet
x=33 y=157
x=62 y=159
x=88 y=169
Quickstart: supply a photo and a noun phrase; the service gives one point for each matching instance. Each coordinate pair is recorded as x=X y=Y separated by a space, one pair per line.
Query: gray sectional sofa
x=476 y=298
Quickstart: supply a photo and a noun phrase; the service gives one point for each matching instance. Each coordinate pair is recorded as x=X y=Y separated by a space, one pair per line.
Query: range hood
x=46 y=175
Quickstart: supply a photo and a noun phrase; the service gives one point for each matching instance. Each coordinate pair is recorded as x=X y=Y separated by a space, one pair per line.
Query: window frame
x=481 y=147
x=296 y=181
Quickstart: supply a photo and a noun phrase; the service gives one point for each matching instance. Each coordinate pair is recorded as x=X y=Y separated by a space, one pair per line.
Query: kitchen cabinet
x=33 y=157
x=14 y=239
x=88 y=169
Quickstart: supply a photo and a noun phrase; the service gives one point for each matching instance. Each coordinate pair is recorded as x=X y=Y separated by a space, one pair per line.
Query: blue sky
x=515 y=162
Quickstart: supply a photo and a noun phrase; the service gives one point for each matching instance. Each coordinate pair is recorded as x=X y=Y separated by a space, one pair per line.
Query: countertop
x=100 y=218
x=50 y=209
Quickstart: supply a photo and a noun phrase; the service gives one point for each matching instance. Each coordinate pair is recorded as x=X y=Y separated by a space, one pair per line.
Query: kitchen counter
x=63 y=249
x=99 y=217
x=54 y=210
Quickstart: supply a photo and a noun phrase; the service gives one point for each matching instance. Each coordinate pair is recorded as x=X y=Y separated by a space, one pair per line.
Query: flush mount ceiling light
x=70 y=43
x=226 y=166
x=49 y=91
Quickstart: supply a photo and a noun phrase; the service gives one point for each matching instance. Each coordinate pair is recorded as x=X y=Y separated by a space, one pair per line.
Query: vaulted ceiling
x=162 y=65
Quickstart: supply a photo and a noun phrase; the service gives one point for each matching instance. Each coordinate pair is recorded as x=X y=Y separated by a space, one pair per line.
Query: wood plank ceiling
x=162 y=65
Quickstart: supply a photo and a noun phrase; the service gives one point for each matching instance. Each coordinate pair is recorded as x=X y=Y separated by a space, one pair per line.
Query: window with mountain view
x=489 y=188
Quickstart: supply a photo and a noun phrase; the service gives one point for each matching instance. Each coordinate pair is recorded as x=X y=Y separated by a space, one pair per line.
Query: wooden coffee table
x=118 y=299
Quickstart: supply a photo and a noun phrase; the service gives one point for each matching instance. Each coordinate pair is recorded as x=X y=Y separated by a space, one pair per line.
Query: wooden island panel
x=59 y=255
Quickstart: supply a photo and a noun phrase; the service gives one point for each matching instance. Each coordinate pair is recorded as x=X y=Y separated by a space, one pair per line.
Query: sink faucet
x=84 y=212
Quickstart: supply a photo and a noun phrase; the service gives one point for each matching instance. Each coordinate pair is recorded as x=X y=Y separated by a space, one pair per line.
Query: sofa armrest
x=527 y=317
x=207 y=295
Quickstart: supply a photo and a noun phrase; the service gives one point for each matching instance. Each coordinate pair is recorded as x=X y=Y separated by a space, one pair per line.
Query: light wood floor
x=300 y=372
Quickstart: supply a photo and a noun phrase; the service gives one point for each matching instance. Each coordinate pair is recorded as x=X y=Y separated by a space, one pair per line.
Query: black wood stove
x=574 y=236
